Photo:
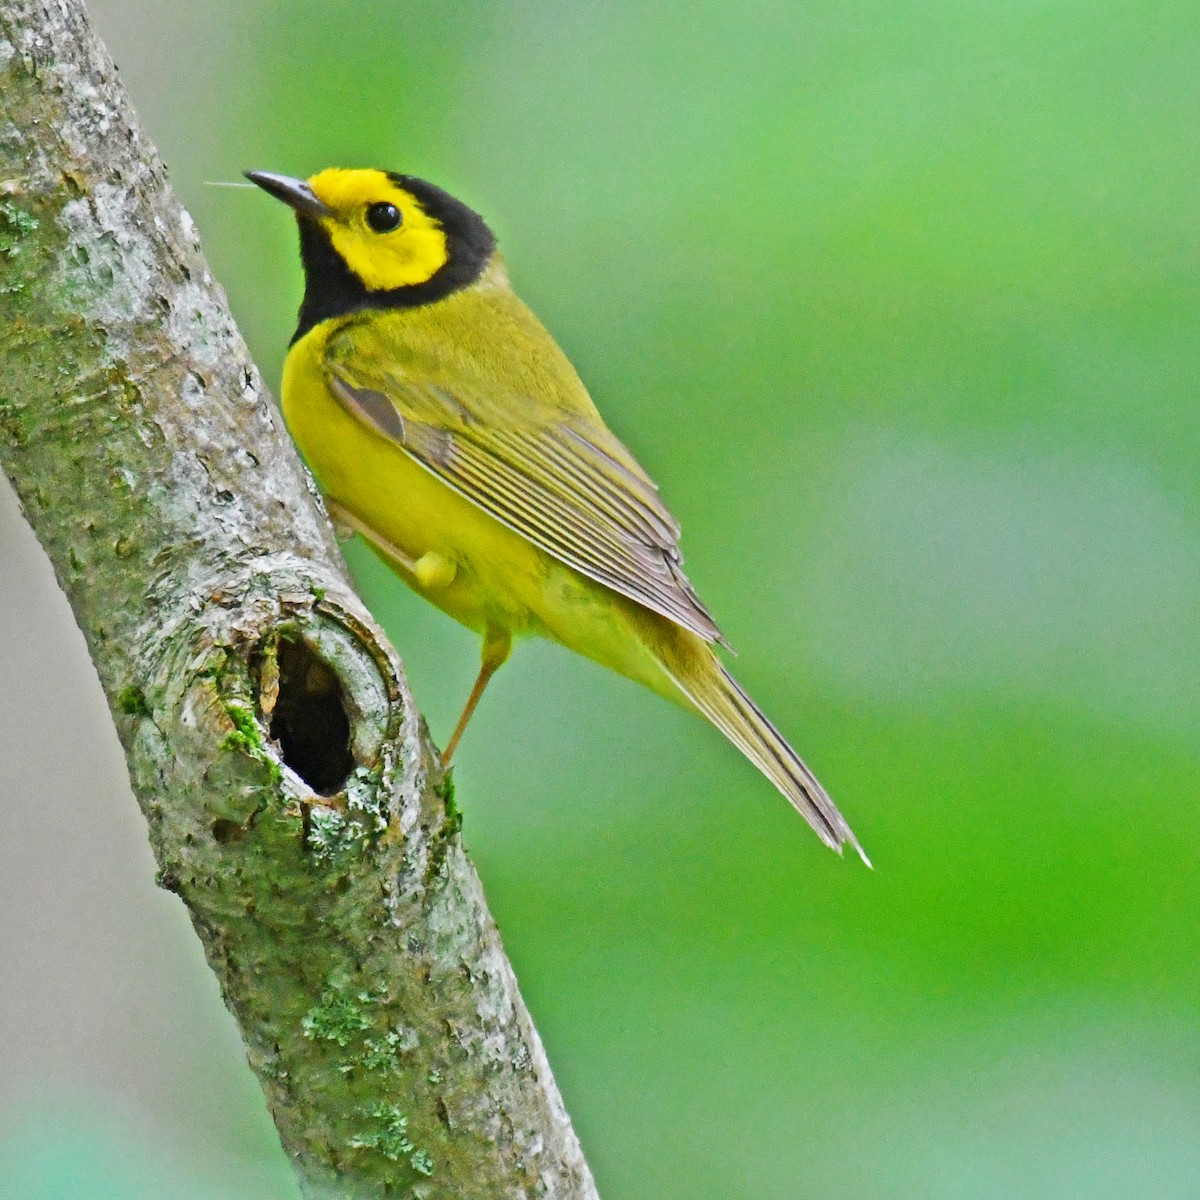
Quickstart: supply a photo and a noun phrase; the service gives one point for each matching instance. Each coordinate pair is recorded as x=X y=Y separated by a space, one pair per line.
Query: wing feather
x=575 y=493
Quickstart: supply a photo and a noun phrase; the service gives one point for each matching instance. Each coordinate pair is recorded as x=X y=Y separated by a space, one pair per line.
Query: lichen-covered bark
x=292 y=798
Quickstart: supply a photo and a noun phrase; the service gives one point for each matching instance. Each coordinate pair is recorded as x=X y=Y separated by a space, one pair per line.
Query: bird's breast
x=499 y=576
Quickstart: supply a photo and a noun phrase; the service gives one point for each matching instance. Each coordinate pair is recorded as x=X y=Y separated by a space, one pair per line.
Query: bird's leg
x=339 y=518
x=433 y=571
x=497 y=644
x=343 y=519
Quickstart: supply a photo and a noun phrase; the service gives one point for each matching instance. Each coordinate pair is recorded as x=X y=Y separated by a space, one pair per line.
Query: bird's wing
x=562 y=481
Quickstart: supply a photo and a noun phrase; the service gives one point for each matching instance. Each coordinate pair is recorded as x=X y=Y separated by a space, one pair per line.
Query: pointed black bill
x=293 y=192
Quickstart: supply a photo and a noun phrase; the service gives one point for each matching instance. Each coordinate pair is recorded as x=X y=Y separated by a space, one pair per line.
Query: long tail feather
x=721 y=699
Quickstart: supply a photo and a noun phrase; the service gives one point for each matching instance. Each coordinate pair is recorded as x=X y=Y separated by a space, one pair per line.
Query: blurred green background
x=899 y=302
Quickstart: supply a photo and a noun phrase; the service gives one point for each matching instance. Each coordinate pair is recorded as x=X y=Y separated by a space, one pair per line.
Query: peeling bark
x=293 y=800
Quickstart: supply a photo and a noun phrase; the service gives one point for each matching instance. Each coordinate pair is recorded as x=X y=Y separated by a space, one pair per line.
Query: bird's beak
x=293 y=192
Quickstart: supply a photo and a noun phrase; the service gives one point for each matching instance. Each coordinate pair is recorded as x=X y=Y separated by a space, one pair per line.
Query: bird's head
x=376 y=239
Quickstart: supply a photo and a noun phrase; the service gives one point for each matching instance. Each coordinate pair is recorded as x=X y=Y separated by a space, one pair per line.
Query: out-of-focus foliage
x=899 y=303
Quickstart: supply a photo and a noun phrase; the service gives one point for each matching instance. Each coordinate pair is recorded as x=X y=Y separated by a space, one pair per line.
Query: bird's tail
x=719 y=697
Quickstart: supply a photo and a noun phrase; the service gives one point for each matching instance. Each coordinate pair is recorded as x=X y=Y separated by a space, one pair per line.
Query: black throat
x=331 y=289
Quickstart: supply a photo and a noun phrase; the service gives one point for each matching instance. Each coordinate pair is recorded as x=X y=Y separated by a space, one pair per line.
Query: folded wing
x=564 y=482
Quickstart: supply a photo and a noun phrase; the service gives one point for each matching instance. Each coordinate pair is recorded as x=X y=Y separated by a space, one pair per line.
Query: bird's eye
x=383 y=217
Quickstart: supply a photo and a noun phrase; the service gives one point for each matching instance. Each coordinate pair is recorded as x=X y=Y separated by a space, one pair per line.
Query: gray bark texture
x=293 y=799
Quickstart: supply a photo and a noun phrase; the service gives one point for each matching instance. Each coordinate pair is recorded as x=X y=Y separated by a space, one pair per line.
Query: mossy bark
x=293 y=800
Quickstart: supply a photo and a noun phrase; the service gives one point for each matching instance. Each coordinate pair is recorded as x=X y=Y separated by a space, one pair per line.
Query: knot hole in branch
x=309 y=720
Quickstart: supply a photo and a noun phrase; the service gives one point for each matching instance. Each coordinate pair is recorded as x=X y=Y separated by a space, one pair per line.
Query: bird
x=446 y=426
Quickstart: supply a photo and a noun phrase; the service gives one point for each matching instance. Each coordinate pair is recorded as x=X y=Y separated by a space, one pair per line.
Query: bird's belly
x=496 y=572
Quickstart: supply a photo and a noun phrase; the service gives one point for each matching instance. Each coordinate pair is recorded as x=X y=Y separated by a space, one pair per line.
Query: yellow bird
x=445 y=426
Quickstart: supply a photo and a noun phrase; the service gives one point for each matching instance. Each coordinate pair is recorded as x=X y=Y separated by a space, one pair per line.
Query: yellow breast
x=499 y=576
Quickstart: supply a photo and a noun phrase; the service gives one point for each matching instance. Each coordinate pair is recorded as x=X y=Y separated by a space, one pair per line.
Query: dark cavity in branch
x=310 y=722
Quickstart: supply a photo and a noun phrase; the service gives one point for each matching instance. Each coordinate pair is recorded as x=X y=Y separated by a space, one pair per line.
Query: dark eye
x=383 y=217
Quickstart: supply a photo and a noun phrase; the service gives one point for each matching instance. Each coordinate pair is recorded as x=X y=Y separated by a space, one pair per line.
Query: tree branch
x=293 y=800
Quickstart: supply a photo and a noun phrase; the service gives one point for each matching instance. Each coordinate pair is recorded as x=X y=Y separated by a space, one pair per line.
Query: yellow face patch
x=383 y=258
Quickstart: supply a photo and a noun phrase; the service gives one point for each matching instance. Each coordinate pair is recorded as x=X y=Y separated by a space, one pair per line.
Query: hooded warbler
x=445 y=426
